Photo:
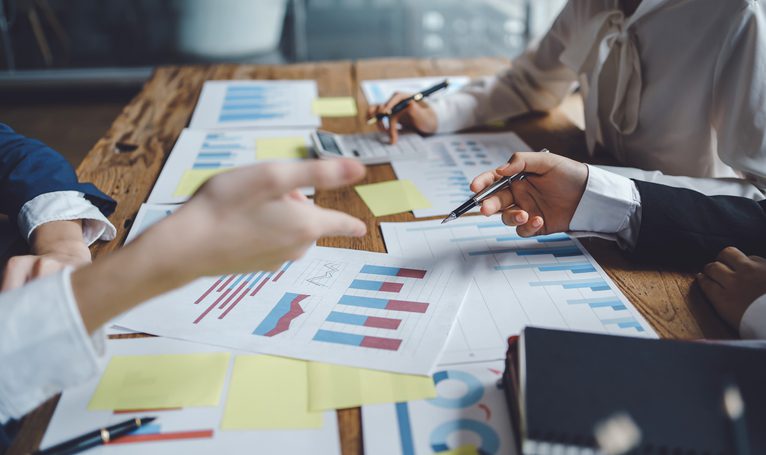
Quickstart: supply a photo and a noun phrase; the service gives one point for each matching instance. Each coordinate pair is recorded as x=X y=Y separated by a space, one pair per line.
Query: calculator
x=369 y=148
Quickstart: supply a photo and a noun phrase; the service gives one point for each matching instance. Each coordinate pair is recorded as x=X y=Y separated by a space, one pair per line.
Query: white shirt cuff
x=44 y=345
x=454 y=112
x=611 y=204
x=62 y=206
x=753 y=324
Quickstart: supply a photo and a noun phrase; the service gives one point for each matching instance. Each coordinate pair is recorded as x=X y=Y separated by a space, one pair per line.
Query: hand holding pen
x=544 y=201
x=410 y=110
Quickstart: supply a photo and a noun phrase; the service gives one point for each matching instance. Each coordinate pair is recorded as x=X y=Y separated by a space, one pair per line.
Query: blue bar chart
x=372 y=302
x=548 y=281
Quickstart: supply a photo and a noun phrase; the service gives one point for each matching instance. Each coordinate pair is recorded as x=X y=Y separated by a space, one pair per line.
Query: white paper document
x=379 y=91
x=255 y=104
x=199 y=153
x=546 y=281
x=339 y=306
x=470 y=413
x=188 y=430
x=452 y=161
x=149 y=214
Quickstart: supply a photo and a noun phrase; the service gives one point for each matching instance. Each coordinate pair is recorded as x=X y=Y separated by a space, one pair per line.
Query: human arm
x=240 y=221
x=537 y=81
x=29 y=168
x=40 y=193
x=738 y=112
x=656 y=223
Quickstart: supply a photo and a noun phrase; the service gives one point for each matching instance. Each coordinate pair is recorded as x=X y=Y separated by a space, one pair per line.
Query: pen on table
x=734 y=406
x=402 y=105
x=97 y=437
x=489 y=191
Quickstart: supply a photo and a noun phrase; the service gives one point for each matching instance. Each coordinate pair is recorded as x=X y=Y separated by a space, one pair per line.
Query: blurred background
x=68 y=66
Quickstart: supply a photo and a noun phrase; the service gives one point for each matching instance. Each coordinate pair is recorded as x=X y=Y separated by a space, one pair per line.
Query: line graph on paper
x=282 y=316
x=322 y=273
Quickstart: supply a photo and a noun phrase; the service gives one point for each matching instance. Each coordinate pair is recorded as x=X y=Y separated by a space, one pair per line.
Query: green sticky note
x=269 y=393
x=395 y=196
x=340 y=387
x=340 y=106
x=161 y=381
x=192 y=179
x=462 y=450
x=279 y=148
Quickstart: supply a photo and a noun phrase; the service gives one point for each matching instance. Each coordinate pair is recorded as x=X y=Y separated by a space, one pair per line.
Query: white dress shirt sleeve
x=753 y=324
x=610 y=207
x=739 y=95
x=44 y=346
x=537 y=81
x=65 y=205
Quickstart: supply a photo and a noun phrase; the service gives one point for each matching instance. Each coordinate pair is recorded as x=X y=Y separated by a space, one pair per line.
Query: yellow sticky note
x=270 y=148
x=462 y=450
x=192 y=179
x=161 y=381
x=268 y=393
x=340 y=106
x=396 y=196
x=339 y=387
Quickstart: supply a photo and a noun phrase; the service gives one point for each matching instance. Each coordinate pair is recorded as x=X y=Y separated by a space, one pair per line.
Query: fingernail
x=519 y=218
x=537 y=222
x=503 y=167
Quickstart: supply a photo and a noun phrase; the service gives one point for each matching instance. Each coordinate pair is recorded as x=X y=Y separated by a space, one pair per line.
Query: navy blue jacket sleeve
x=684 y=227
x=29 y=168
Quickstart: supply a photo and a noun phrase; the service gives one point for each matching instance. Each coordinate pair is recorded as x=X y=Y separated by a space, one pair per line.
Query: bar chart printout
x=339 y=306
x=451 y=163
x=368 y=294
x=548 y=281
x=255 y=104
x=199 y=154
x=469 y=414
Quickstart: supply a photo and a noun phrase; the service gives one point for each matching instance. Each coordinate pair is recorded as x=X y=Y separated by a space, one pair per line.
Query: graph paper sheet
x=190 y=431
x=209 y=152
x=451 y=162
x=339 y=306
x=547 y=281
x=469 y=416
x=255 y=104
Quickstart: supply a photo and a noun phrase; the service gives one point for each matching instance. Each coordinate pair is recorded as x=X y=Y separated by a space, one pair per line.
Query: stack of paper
x=199 y=400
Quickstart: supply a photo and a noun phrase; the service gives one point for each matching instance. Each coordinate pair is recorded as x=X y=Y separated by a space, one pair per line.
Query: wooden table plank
x=154 y=119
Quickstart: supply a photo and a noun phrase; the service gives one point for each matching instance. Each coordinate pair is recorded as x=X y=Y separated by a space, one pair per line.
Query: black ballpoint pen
x=402 y=105
x=477 y=199
x=97 y=437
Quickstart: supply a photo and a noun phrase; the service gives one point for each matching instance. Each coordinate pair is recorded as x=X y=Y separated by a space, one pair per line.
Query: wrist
x=60 y=238
x=138 y=272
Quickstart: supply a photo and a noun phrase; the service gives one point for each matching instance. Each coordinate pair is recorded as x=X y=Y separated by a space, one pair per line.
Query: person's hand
x=254 y=219
x=54 y=246
x=417 y=115
x=733 y=282
x=244 y=220
x=542 y=203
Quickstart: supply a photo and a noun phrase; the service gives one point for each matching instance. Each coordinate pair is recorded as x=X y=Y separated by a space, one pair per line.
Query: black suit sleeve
x=684 y=227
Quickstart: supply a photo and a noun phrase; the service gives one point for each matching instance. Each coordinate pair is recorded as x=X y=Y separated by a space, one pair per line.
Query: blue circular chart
x=490 y=442
x=472 y=395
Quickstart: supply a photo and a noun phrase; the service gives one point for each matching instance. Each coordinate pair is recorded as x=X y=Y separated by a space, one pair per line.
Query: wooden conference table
x=126 y=162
